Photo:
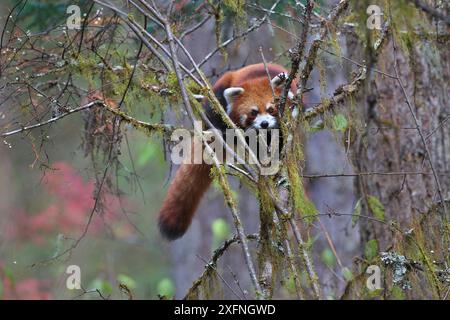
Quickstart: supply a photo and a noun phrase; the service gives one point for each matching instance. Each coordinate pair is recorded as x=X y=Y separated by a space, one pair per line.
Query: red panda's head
x=252 y=104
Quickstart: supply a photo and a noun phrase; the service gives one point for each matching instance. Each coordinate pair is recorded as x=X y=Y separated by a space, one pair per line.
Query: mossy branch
x=212 y=264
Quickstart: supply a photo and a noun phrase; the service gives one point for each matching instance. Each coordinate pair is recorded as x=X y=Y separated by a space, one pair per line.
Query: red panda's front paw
x=279 y=79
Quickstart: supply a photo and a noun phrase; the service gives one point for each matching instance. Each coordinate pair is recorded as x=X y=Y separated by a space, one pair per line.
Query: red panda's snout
x=262 y=117
x=265 y=121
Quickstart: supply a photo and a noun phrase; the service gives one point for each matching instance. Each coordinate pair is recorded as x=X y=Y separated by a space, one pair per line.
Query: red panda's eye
x=254 y=113
x=270 y=110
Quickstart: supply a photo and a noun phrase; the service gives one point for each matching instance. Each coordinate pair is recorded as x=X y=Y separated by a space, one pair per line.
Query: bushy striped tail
x=183 y=197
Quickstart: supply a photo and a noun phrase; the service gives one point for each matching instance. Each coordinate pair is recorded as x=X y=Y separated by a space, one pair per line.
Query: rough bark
x=390 y=142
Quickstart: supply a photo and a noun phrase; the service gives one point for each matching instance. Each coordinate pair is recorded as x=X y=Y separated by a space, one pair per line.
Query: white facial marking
x=243 y=118
x=271 y=120
x=230 y=94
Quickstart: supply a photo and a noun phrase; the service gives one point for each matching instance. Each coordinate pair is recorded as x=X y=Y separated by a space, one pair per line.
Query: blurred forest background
x=85 y=189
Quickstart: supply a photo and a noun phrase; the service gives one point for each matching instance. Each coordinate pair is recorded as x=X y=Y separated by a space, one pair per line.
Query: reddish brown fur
x=255 y=81
x=183 y=198
x=192 y=180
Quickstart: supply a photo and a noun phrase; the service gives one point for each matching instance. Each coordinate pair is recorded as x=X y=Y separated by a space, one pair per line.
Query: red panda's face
x=252 y=105
x=258 y=113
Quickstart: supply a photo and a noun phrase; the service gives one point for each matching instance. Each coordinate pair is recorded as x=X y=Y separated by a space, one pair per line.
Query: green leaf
x=103 y=286
x=328 y=258
x=126 y=280
x=148 y=151
x=371 y=249
x=220 y=229
x=166 y=288
x=356 y=213
x=340 y=123
x=376 y=207
x=347 y=274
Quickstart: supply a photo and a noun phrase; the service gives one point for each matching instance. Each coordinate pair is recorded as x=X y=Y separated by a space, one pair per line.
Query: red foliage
x=27 y=289
x=69 y=212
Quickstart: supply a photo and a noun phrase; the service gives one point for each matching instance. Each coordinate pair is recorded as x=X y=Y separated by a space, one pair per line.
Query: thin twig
x=221 y=278
x=51 y=120
x=214 y=259
x=226 y=43
x=351 y=175
x=419 y=130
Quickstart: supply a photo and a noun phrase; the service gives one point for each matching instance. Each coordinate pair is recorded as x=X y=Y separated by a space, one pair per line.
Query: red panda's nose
x=264 y=124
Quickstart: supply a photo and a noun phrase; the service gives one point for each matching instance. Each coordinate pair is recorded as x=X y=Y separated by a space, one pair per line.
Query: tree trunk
x=388 y=141
x=391 y=142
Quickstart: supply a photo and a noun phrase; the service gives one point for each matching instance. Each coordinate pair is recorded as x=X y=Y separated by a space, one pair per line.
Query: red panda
x=247 y=97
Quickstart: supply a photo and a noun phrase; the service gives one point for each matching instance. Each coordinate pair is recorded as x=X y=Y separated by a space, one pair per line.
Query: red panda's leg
x=183 y=197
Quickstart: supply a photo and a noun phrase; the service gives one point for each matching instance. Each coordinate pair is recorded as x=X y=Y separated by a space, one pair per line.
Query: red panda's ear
x=230 y=94
x=279 y=79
